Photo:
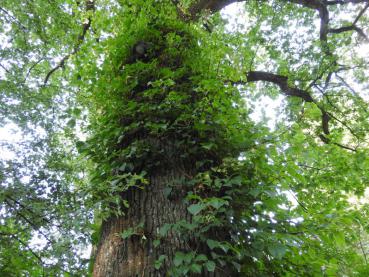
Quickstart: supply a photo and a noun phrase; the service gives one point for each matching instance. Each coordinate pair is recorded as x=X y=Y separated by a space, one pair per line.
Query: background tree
x=137 y=138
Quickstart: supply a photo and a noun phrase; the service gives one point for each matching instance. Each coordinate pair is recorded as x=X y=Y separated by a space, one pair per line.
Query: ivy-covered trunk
x=157 y=234
x=159 y=144
x=152 y=238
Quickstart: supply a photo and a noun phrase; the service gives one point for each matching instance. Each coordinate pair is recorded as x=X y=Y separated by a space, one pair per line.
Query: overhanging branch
x=280 y=81
x=292 y=91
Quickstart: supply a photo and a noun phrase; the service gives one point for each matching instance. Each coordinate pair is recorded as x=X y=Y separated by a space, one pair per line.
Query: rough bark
x=135 y=256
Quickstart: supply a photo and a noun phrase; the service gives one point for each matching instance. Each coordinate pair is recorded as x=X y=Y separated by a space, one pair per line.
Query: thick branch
x=361 y=14
x=210 y=5
x=216 y=5
x=280 y=81
x=320 y=6
x=328 y=141
x=324 y=22
x=349 y=28
x=343 y=2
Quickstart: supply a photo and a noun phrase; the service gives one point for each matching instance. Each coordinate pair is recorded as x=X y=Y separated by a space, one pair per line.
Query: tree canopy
x=111 y=101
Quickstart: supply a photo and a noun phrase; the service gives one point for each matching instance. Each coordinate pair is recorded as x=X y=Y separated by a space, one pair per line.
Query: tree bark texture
x=135 y=256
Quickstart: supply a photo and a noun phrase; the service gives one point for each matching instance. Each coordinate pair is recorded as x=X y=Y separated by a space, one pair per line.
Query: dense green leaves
x=94 y=120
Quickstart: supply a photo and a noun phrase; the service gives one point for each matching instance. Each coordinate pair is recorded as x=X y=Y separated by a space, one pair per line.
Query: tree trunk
x=151 y=208
x=135 y=256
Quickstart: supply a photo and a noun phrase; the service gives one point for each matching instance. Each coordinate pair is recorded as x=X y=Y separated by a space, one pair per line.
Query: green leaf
x=156 y=243
x=81 y=146
x=217 y=202
x=210 y=266
x=196 y=268
x=167 y=191
x=237 y=266
x=188 y=225
x=195 y=208
x=189 y=257
x=201 y=258
x=277 y=250
x=340 y=240
x=178 y=258
x=212 y=243
x=127 y=233
x=164 y=229
x=71 y=123
x=158 y=263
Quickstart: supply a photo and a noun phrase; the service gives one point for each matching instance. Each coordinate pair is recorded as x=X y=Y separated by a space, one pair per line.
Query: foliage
x=98 y=120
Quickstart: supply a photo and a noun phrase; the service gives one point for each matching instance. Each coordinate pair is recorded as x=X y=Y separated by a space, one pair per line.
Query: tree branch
x=343 y=2
x=211 y=5
x=280 y=81
x=288 y=90
x=3 y=67
x=13 y=20
x=89 y=6
x=31 y=68
x=28 y=248
x=349 y=28
x=32 y=224
x=361 y=13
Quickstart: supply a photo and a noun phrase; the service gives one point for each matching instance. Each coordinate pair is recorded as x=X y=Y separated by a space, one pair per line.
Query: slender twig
x=90 y=6
x=361 y=13
x=362 y=248
x=346 y=84
x=31 y=68
x=3 y=67
x=14 y=19
x=33 y=225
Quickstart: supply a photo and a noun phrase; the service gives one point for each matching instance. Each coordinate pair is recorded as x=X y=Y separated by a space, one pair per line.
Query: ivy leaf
x=201 y=258
x=189 y=257
x=164 y=229
x=277 y=250
x=167 y=191
x=217 y=202
x=196 y=268
x=127 y=233
x=237 y=266
x=194 y=209
x=159 y=261
x=156 y=243
x=212 y=243
x=178 y=258
x=210 y=266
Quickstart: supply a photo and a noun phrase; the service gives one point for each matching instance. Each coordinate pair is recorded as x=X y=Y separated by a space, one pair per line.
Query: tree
x=138 y=139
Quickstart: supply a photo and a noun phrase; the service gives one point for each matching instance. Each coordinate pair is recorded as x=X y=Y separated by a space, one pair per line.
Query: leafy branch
x=289 y=90
x=89 y=6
